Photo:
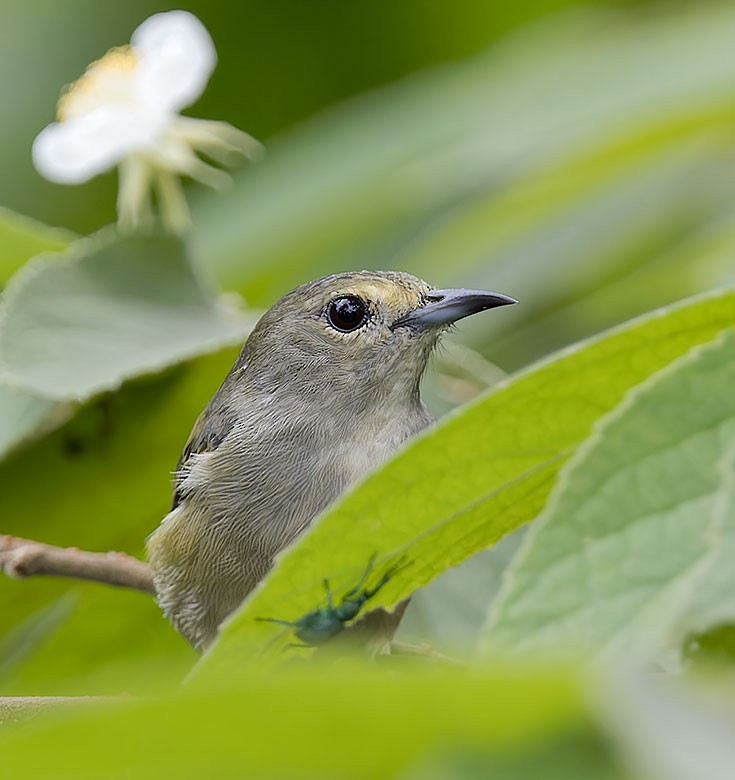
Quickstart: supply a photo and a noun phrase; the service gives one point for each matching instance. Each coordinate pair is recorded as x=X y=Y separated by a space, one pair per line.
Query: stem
x=133 y=195
x=23 y=558
x=172 y=202
x=15 y=709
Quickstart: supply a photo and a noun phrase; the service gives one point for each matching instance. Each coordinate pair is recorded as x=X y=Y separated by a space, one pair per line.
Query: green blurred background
x=280 y=62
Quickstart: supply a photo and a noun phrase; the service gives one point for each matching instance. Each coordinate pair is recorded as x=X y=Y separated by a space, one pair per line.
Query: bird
x=324 y=391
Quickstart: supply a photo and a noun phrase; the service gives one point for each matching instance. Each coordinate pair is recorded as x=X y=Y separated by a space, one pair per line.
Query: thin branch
x=22 y=558
x=15 y=709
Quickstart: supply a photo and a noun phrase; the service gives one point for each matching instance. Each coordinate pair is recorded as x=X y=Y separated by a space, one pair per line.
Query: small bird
x=325 y=389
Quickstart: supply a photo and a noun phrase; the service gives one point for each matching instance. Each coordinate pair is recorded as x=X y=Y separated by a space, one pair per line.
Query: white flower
x=124 y=111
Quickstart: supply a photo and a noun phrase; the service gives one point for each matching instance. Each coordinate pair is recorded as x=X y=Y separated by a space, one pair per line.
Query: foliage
x=487 y=469
x=408 y=715
x=634 y=550
x=585 y=167
x=109 y=309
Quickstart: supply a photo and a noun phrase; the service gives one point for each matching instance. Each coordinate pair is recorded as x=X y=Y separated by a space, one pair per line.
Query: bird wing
x=210 y=430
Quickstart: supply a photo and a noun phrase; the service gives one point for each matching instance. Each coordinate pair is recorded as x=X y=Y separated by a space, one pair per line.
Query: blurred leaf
x=464 y=484
x=456 y=375
x=560 y=162
x=22 y=414
x=449 y=613
x=304 y=722
x=714 y=646
x=578 y=755
x=112 y=308
x=576 y=265
x=670 y=731
x=635 y=549
x=23 y=640
x=101 y=482
x=21 y=238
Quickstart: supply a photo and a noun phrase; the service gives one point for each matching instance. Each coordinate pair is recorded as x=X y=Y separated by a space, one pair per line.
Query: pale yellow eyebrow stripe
x=394 y=296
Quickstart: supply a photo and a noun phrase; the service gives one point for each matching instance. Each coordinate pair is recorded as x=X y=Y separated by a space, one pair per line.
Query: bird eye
x=347 y=313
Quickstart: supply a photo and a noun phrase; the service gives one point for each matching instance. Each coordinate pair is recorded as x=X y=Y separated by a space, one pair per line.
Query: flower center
x=107 y=80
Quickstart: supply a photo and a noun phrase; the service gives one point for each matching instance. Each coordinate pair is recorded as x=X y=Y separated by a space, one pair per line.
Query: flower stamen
x=134 y=193
x=101 y=79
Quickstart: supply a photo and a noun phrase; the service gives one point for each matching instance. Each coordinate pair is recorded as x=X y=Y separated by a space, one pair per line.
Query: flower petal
x=177 y=57
x=76 y=150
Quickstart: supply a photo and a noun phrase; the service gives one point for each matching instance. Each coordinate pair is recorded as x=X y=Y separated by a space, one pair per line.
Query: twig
x=14 y=709
x=400 y=649
x=27 y=558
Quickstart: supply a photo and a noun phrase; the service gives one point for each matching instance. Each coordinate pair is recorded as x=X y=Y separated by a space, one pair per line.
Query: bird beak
x=443 y=307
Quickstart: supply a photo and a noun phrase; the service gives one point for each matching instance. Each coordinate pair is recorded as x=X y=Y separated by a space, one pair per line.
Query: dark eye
x=347 y=313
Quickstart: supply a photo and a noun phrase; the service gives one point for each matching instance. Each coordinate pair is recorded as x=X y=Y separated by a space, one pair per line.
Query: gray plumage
x=306 y=411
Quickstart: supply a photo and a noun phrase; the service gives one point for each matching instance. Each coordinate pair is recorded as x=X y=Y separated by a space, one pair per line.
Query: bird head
x=367 y=333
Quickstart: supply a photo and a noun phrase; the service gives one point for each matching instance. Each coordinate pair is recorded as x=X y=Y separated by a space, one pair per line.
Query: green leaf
x=666 y=730
x=21 y=414
x=579 y=754
x=311 y=722
x=449 y=613
x=112 y=308
x=713 y=646
x=24 y=639
x=101 y=482
x=635 y=549
x=467 y=482
x=21 y=238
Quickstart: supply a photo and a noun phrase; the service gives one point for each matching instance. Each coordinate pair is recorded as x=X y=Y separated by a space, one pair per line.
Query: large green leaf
x=22 y=238
x=476 y=476
x=21 y=414
x=112 y=308
x=100 y=482
x=635 y=550
x=551 y=167
x=315 y=722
